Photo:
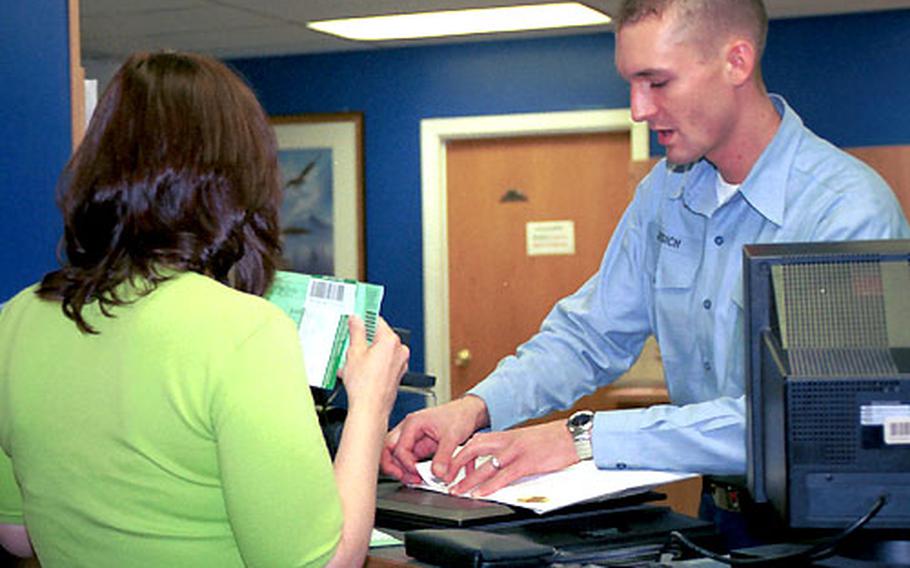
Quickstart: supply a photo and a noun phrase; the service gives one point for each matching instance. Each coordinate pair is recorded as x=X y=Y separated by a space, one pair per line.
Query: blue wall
x=849 y=77
x=396 y=89
x=34 y=136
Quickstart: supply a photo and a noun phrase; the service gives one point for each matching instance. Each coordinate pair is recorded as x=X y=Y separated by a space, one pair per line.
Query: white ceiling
x=110 y=29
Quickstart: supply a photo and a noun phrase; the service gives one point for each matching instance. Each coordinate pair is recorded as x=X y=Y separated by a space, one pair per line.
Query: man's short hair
x=709 y=18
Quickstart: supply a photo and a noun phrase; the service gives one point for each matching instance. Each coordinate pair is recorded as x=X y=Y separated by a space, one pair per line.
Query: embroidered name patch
x=670 y=241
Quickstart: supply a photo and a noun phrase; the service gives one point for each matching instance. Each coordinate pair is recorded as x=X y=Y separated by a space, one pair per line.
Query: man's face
x=677 y=86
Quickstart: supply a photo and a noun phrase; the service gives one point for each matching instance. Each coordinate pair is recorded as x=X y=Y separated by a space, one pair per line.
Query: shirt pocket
x=677 y=258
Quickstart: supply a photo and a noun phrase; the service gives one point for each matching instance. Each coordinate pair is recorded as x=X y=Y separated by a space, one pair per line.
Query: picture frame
x=321 y=215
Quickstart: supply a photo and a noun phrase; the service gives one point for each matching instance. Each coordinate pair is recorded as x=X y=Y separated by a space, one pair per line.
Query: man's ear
x=739 y=61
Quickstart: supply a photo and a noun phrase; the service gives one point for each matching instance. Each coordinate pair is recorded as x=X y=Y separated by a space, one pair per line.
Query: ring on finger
x=494 y=461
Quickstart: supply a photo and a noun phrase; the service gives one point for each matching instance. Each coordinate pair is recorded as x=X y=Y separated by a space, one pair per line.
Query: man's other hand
x=432 y=432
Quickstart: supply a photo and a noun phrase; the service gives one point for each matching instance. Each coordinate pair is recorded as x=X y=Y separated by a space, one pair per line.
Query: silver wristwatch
x=581 y=426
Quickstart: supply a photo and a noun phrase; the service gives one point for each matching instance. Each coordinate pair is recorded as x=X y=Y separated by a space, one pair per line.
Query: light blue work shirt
x=673 y=269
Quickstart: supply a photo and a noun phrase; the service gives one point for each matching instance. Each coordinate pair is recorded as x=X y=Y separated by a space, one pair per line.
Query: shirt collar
x=683 y=171
x=768 y=195
x=765 y=188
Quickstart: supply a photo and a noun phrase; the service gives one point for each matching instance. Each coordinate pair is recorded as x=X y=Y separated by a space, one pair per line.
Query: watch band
x=581 y=426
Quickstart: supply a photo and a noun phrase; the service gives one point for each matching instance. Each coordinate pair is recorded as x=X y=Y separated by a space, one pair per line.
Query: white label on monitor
x=876 y=413
x=897 y=431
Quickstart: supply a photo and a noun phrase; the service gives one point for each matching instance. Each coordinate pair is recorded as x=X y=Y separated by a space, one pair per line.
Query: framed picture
x=321 y=159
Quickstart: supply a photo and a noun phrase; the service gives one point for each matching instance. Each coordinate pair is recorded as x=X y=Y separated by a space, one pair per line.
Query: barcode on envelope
x=897 y=431
x=327 y=290
x=369 y=320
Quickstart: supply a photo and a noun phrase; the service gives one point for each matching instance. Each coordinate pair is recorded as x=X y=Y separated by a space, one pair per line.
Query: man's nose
x=641 y=103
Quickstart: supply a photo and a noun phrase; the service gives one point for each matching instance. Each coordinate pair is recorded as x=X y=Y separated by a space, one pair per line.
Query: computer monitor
x=827 y=331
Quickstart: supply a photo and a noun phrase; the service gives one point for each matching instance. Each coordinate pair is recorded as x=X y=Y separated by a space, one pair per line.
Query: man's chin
x=677 y=159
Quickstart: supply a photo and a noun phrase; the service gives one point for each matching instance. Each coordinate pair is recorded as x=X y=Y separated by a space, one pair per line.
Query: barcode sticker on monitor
x=897 y=431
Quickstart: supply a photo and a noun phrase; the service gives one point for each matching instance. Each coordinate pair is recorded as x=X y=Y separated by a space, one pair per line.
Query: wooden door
x=498 y=293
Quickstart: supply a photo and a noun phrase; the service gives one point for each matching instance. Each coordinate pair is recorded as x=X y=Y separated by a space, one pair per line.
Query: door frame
x=434 y=134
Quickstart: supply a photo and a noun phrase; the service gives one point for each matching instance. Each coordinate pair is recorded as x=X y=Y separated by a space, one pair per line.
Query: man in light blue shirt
x=673 y=268
x=740 y=168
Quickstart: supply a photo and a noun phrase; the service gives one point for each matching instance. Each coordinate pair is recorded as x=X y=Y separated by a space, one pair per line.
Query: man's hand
x=434 y=432
x=518 y=453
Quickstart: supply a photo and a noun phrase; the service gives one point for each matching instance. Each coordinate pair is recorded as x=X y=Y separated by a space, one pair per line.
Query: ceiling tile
x=114 y=28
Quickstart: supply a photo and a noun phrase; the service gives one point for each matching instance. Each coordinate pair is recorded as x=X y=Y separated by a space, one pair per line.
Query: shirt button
x=707 y=365
x=706 y=304
x=718 y=240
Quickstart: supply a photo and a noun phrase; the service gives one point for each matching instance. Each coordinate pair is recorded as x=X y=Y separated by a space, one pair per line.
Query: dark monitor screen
x=828 y=380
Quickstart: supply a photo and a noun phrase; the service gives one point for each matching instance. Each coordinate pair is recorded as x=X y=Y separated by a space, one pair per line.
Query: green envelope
x=320 y=306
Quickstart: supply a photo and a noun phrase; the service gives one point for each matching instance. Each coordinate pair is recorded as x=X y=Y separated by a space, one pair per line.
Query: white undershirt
x=725 y=190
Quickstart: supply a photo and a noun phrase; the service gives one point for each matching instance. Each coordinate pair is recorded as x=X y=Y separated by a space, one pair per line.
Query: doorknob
x=462 y=358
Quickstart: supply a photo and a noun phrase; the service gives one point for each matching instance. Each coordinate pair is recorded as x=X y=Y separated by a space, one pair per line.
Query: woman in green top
x=154 y=409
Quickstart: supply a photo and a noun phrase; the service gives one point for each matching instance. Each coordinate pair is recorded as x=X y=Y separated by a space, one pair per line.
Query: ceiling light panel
x=463 y=22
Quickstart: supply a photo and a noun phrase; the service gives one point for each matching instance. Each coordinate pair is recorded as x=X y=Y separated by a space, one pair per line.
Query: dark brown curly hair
x=178 y=171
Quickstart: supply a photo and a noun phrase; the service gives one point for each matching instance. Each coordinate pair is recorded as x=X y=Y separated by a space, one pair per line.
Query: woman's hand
x=14 y=538
x=372 y=371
